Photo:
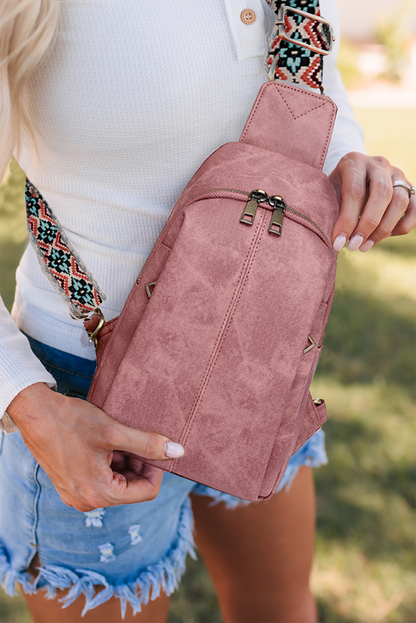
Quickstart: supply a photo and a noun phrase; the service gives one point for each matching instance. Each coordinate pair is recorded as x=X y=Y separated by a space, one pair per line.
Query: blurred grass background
x=365 y=551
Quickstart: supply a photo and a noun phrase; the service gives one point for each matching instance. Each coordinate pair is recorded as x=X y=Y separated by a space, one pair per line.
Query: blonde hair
x=27 y=29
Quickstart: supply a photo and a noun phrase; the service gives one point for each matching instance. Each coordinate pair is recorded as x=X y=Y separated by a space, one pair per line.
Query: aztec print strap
x=295 y=53
x=298 y=43
x=58 y=259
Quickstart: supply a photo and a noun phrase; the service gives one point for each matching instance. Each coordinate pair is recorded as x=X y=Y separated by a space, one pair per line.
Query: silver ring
x=410 y=189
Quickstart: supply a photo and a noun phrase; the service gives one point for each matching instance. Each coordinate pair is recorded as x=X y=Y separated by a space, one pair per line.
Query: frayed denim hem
x=165 y=574
x=9 y=577
x=312 y=453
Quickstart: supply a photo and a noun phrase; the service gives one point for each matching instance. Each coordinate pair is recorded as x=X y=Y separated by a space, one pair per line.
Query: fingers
x=84 y=451
x=408 y=222
x=349 y=179
x=117 y=478
x=371 y=208
x=124 y=479
x=398 y=206
x=146 y=444
x=134 y=489
x=105 y=487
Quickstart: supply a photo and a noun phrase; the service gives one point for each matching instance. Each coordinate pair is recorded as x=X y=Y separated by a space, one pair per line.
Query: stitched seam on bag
x=309 y=220
x=326 y=316
x=279 y=87
x=304 y=113
x=232 y=307
x=240 y=277
x=315 y=423
x=328 y=138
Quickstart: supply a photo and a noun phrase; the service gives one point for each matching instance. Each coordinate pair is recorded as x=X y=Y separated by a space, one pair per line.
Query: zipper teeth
x=168 y=222
x=244 y=192
x=306 y=218
x=238 y=192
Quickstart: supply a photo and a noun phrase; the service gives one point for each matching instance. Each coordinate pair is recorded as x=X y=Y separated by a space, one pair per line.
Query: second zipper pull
x=279 y=208
x=250 y=209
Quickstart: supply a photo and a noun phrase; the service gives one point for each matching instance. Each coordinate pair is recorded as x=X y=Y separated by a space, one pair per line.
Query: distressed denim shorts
x=132 y=551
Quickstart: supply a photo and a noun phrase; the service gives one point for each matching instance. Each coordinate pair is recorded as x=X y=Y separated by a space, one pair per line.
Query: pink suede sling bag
x=219 y=339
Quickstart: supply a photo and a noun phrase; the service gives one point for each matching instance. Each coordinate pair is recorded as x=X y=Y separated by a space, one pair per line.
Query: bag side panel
x=296 y=421
x=315 y=416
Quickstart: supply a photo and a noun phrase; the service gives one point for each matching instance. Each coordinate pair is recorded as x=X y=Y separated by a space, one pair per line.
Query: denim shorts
x=132 y=551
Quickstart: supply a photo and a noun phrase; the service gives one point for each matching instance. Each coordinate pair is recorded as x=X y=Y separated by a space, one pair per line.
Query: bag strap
x=300 y=39
x=58 y=259
x=291 y=121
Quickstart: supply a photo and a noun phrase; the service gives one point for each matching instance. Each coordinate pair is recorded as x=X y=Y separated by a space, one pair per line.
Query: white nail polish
x=173 y=450
x=368 y=244
x=355 y=242
x=339 y=242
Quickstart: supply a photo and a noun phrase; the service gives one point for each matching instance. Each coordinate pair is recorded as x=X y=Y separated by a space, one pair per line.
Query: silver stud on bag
x=149 y=292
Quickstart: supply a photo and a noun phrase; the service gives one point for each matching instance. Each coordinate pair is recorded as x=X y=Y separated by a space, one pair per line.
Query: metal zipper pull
x=279 y=208
x=254 y=199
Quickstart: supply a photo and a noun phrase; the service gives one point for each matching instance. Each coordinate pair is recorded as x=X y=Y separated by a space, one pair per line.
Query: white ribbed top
x=131 y=99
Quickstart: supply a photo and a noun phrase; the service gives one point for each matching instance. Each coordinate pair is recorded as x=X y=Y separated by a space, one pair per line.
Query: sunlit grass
x=365 y=560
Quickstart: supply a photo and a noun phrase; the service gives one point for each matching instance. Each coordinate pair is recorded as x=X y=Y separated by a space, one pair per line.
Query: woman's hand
x=371 y=209
x=86 y=453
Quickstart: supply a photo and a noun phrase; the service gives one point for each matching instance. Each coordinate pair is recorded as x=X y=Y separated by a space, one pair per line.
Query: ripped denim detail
x=107 y=552
x=94 y=518
x=134 y=534
x=165 y=574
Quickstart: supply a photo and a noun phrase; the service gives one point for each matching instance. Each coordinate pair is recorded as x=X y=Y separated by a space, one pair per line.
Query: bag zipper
x=276 y=202
x=258 y=196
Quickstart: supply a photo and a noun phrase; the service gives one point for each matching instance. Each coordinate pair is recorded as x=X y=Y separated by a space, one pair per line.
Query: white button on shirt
x=249 y=39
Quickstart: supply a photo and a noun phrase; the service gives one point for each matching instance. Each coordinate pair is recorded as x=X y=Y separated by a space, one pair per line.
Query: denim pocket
x=72 y=374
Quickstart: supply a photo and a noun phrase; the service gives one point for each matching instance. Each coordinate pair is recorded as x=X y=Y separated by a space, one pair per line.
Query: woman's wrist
x=28 y=402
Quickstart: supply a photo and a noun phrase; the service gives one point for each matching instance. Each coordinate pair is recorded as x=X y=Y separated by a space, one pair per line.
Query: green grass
x=364 y=569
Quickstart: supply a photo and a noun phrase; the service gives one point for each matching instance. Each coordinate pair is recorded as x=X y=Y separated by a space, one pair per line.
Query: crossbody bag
x=219 y=338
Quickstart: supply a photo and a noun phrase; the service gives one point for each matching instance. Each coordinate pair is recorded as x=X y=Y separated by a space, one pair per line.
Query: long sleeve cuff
x=348 y=134
x=19 y=367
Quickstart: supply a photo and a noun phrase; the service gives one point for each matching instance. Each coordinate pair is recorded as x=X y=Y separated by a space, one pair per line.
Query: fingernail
x=366 y=246
x=173 y=450
x=339 y=242
x=355 y=242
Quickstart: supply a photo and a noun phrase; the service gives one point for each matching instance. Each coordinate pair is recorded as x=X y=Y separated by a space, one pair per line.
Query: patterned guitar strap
x=300 y=40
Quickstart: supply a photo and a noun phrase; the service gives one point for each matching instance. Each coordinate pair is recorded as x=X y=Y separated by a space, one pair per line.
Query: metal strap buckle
x=92 y=335
x=280 y=22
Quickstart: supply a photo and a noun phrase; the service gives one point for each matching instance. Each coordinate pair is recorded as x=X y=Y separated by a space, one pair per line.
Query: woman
x=126 y=101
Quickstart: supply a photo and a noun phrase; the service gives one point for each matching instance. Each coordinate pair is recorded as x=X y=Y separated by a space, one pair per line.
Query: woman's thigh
x=260 y=555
